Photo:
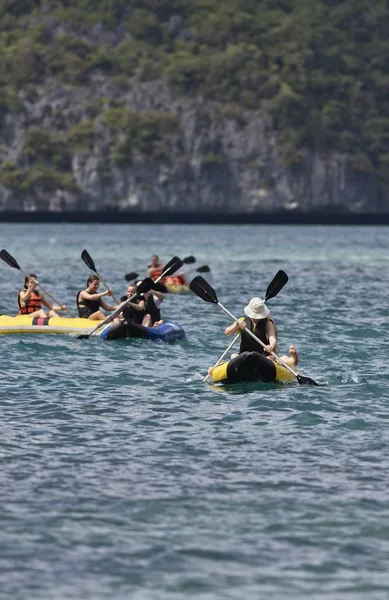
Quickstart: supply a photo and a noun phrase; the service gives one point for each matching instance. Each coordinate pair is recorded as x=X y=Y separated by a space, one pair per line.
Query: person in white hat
x=259 y=322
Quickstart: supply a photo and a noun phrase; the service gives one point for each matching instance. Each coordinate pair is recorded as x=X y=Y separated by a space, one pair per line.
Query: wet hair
x=92 y=278
x=27 y=279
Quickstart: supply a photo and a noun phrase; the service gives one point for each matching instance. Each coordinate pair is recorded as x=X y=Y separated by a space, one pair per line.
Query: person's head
x=131 y=290
x=155 y=260
x=93 y=282
x=31 y=278
x=256 y=309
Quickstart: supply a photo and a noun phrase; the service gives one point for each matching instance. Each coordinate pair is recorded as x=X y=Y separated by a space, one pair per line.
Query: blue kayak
x=167 y=332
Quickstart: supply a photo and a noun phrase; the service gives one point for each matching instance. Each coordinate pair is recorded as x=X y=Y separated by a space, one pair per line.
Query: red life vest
x=157 y=273
x=33 y=304
x=174 y=280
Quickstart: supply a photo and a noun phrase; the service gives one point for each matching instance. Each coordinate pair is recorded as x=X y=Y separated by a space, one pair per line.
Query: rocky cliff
x=215 y=158
x=190 y=106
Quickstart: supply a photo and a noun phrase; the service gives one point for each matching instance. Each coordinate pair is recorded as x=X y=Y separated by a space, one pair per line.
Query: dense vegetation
x=321 y=67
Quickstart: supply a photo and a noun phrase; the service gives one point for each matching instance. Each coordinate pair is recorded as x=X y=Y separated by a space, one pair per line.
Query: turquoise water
x=124 y=476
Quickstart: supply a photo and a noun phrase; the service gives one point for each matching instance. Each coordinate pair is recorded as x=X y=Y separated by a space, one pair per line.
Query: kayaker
x=153 y=300
x=134 y=311
x=90 y=302
x=260 y=323
x=30 y=300
x=143 y=310
x=155 y=267
x=156 y=270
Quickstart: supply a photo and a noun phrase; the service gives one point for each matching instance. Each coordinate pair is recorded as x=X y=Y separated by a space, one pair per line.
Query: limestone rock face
x=217 y=158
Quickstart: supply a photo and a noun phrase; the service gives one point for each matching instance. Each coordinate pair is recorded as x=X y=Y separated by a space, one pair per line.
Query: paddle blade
x=172 y=266
x=189 y=260
x=276 y=285
x=131 y=276
x=203 y=269
x=306 y=381
x=9 y=259
x=88 y=260
x=145 y=286
x=199 y=286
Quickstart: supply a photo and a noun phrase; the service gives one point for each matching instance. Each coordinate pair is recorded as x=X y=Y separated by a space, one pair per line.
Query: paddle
x=11 y=262
x=222 y=356
x=205 y=291
x=188 y=260
x=131 y=276
x=88 y=260
x=144 y=286
x=275 y=286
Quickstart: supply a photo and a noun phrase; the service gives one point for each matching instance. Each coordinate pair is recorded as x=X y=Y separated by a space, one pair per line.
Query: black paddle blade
x=189 y=260
x=203 y=269
x=275 y=286
x=306 y=381
x=172 y=266
x=9 y=259
x=131 y=276
x=199 y=286
x=145 y=286
x=88 y=260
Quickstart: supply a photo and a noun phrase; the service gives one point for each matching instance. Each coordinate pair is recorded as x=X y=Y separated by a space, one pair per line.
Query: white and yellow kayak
x=27 y=324
x=251 y=366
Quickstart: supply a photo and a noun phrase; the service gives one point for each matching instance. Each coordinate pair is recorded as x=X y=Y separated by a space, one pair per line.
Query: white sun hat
x=256 y=309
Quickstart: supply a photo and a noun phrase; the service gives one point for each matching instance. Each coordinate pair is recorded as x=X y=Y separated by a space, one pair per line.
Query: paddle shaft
x=120 y=308
x=47 y=294
x=103 y=282
x=223 y=355
x=284 y=364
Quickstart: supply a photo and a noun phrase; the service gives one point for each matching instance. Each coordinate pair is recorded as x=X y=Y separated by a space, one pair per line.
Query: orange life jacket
x=174 y=280
x=157 y=273
x=34 y=303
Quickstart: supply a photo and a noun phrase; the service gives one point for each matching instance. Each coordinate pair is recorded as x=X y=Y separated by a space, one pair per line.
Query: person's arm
x=231 y=329
x=158 y=295
x=141 y=306
x=234 y=327
x=84 y=295
x=107 y=307
x=25 y=295
x=272 y=337
x=50 y=306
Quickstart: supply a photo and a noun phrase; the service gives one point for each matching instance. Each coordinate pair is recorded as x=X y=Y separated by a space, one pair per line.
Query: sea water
x=123 y=475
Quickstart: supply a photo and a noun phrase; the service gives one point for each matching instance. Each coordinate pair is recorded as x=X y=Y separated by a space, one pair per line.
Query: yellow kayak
x=27 y=324
x=177 y=288
x=251 y=366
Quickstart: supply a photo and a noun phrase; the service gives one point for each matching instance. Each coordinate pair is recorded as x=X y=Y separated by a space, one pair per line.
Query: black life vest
x=131 y=314
x=152 y=310
x=247 y=343
x=33 y=304
x=86 y=308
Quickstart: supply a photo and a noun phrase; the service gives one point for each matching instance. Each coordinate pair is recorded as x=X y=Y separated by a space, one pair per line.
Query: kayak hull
x=249 y=367
x=176 y=288
x=25 y=324
x=167 y=332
